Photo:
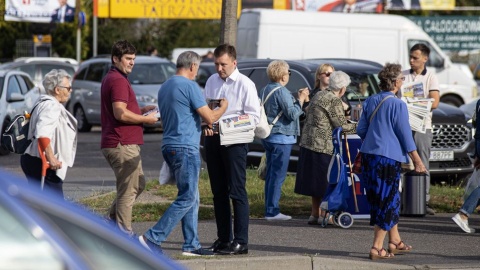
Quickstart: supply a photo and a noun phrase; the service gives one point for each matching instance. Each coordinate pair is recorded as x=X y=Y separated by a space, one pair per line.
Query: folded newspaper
x=236 y=129
x=418 y=111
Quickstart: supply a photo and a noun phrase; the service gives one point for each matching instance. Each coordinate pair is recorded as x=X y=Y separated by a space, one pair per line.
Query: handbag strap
x=268 y=96
x=378 y=107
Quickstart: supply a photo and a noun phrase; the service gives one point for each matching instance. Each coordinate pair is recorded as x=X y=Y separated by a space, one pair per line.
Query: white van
x=287 y=34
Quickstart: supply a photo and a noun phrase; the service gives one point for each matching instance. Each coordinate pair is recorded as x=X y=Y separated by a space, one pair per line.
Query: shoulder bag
x=263 y=128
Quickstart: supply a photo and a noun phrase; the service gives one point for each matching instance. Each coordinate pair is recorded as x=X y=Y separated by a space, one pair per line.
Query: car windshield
x=154 y=73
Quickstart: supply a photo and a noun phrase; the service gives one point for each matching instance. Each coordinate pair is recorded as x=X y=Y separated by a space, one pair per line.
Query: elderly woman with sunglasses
x=283 y=106
x=324 y=114
x=387 y=139
x=51 y=120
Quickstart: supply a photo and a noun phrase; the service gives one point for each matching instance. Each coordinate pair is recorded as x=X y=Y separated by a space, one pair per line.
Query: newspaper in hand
x=236 y=129
x=236 y=123
x=418 y=111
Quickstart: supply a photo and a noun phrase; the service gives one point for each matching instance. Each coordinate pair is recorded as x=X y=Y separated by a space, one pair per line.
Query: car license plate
x=441 y=155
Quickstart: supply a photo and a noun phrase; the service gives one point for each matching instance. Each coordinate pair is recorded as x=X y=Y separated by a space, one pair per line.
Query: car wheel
x=452 y=100
x=4 y=151
x=82 y=123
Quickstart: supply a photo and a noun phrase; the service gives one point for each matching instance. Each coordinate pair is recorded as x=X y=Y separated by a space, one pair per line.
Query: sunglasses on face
x=327 y=74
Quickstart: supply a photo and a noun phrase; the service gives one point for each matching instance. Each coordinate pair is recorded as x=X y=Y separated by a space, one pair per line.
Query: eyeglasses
x=289 y=72
x=327 y=74
x=69 y=88
x=401 y=78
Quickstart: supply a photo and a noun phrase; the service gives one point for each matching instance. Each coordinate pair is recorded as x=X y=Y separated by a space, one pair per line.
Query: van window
x=435 y=59
x=258 y=76
x=95 y=72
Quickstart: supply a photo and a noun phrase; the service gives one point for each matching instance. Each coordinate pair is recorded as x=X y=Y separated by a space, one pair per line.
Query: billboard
x=162 y=9
x=420 y=4
x=40 y=11
x=366 y=6
x=452 y=32
x=346 y=6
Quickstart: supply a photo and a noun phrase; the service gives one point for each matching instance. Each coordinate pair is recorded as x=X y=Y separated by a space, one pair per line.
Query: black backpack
x=15 y=137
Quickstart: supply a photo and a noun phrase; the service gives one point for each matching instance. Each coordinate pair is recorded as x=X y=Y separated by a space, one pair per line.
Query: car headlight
x=146 y=99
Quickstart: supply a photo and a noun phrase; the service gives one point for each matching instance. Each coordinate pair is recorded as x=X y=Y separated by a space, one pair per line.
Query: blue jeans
x=184 y=164
x=471 y=203
x=278 y=157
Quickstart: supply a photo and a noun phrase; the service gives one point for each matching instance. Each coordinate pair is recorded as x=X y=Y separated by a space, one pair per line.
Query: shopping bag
x=472 y=184
x=262 y=167
x=166 y=177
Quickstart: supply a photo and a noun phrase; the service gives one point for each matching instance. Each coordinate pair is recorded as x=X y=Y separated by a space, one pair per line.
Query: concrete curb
x=287 y=263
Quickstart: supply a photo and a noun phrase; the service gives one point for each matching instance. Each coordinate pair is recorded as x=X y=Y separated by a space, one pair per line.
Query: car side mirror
x=15 y=97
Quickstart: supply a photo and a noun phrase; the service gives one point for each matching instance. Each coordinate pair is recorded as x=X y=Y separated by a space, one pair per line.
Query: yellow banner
x=162 y=9
x=437 y=4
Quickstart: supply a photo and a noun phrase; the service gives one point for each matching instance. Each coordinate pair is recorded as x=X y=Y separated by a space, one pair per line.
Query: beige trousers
x=126 y=163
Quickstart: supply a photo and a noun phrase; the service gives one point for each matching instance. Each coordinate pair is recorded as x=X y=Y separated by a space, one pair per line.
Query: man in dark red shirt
x=122 y=133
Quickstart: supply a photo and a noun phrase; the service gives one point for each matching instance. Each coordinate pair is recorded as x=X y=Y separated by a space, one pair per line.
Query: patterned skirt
x=381 y=178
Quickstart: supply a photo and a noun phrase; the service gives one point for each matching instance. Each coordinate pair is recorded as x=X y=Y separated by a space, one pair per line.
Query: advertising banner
x=452 y=32
x=162 y=9
x=420 y=4
x=347 y=6
x=40 y=11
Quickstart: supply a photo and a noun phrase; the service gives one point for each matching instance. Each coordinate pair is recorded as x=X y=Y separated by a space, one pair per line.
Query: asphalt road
x=90 y=172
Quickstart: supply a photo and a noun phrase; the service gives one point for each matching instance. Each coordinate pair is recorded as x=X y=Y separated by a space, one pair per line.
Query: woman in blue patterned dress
x=387 y=139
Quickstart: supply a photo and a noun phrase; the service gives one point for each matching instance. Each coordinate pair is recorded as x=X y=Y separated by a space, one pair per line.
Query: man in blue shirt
x=182 y=106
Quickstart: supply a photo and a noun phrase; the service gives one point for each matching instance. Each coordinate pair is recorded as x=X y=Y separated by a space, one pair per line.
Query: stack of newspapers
x=236 y=129
x=418 y=111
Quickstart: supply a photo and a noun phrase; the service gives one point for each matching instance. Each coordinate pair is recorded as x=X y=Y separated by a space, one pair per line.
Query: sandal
x=387 y=255
x=397 y=249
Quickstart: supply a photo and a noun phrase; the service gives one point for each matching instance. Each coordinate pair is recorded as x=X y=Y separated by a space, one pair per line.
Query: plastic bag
x=166 y=177
x=472 y=184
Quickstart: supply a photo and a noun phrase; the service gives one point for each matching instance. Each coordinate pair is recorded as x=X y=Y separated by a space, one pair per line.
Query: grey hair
x=388 y=76
x=187 y=58
x=53 y=79
x=338 y=80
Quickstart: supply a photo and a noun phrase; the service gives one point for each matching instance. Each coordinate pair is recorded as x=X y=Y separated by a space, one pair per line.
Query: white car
x=17 y=95
x=37 y=67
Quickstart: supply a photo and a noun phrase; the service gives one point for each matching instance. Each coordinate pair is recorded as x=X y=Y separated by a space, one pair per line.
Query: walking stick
x=351 y=173
x=42 y=145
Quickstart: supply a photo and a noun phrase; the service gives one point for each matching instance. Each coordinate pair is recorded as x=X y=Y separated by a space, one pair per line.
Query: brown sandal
x=405 y=248
x=387 y=255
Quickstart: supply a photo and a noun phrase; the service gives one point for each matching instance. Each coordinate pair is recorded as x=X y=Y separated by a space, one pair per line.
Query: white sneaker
x=463 y=224
x=280 y=216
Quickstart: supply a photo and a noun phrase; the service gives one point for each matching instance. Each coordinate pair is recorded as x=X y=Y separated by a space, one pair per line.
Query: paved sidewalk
x=437 y=244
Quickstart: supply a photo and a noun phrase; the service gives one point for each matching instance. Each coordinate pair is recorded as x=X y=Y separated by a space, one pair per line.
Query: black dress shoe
x=217 y=245
x=234 y=249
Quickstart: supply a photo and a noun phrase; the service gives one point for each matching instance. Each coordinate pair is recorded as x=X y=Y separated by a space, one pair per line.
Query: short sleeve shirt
x=178 y=101
x=117 y=88
x=429 y=82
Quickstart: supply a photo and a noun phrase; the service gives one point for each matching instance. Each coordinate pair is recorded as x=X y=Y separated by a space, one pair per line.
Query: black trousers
x=227 y=172
x=32 y=168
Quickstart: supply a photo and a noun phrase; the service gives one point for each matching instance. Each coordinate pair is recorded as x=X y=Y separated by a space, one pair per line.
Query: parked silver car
x=17 y=94
x=148 y=74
